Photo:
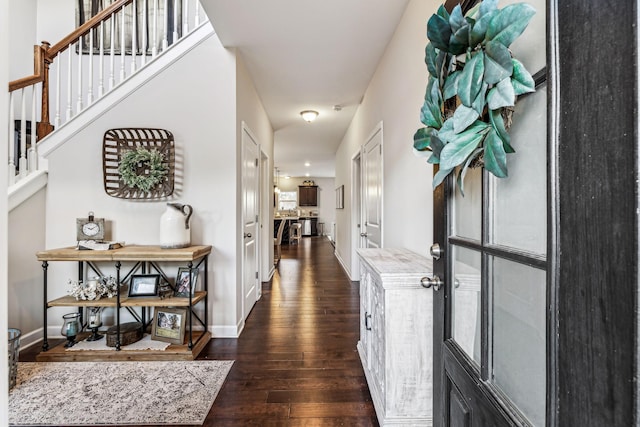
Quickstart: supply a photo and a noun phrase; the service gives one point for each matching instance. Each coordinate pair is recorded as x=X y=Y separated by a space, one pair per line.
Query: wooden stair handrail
x=83 y=29
x=45 y=54
x=38 y=69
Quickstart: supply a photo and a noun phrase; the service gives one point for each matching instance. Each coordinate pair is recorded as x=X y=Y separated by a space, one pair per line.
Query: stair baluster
x=107 y=26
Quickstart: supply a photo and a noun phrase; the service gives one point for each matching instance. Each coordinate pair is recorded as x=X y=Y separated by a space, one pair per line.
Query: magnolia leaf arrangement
x=470 y=65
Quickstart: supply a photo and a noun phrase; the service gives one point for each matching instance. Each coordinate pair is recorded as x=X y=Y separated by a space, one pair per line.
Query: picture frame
x=169 y=325
x=340 y=197
x=144 y=285
x=186 y=282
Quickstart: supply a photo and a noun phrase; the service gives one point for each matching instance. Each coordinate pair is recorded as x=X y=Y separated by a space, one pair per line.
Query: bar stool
x=295 y=232
x=277 y=242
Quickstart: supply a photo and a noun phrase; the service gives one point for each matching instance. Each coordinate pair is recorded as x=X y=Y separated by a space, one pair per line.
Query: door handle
x=363 y=234
x=247 y=235
x=434 y=282
x=367 y=316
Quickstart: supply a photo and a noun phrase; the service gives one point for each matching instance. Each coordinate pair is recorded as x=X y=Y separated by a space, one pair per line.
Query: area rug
x=146 y=343
x=115 y=393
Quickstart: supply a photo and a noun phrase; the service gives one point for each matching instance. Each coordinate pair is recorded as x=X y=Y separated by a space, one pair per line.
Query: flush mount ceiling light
x=309 y=115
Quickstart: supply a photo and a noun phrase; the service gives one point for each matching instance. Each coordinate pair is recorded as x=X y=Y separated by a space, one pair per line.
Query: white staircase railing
x=102 y=53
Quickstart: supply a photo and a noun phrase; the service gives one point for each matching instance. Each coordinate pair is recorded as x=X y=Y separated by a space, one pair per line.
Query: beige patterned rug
x=115 y=393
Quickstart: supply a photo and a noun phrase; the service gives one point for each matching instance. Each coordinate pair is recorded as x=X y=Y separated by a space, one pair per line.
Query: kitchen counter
x=311 y=230
x=285 y=233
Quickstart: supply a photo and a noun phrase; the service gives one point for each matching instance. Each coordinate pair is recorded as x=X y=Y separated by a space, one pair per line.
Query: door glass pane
x=519 y=336
x=530 y=48
x=520 y=200
x=466 y=301
x=468 y=208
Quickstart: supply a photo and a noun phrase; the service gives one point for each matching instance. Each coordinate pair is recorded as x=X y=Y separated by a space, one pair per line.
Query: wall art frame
x=117 y=142
x=340 y=197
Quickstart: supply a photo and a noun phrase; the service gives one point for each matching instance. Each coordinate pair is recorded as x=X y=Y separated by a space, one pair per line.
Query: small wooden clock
x=90 y=228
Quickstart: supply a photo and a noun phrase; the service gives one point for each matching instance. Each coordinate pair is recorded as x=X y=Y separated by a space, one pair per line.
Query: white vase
x=175 y=231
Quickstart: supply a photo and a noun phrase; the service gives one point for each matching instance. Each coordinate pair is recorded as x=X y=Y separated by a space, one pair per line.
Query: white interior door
x=371 y=190
x=250 y=220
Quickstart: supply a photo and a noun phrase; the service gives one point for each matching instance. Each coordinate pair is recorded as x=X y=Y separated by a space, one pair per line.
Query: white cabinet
x=396 y=335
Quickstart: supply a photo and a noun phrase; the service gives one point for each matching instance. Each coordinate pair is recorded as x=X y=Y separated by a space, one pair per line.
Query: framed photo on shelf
x=144 y=285
x=168 y=325
x=186 y=282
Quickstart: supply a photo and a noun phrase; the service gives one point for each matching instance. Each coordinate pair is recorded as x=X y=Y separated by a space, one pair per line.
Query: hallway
x=296 y=360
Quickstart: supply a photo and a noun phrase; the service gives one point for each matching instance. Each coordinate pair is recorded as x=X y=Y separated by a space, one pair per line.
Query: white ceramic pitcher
x=174 y=226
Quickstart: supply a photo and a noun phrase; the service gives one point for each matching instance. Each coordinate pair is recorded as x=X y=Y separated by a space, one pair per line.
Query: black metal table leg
x=191 y=306
x=118 y=265
x=206 y=292
x=45 y=342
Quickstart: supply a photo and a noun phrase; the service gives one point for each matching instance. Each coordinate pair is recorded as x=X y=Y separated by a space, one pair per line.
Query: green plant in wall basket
x=473 y=85
x=143 y=168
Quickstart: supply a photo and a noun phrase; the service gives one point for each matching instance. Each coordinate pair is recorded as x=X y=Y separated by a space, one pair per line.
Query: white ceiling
x=307 y=54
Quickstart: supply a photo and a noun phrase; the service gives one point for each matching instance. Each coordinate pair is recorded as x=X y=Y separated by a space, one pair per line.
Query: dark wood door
x=540 y=270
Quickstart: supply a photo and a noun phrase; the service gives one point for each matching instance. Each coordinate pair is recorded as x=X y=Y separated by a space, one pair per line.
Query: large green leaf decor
x=472 y=71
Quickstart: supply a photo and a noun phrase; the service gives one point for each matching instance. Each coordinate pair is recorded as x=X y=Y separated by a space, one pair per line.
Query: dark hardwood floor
x=296 y=362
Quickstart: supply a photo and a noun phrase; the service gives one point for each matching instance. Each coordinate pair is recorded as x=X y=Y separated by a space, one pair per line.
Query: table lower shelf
x=173 y=352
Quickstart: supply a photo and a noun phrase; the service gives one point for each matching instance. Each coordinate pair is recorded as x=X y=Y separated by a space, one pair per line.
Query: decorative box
x=129 y=333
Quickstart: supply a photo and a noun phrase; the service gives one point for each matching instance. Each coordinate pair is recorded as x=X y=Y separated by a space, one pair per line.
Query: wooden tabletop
x=125 y=253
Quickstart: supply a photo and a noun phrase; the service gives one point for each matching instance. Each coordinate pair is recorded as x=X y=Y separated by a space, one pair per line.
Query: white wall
x=22 y=27
x=394 y=97
x=4 y=102
x=326 y=202
x=27 y=236
x=252 y=113
x=56 y=19
x=194 y=99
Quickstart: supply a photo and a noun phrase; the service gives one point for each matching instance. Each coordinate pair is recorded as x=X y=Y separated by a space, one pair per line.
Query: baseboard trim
x=344 y=266
x=227 y=331
x=32 y=338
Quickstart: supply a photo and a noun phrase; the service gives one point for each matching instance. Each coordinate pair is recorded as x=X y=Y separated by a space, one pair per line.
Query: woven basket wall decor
x=117 y=142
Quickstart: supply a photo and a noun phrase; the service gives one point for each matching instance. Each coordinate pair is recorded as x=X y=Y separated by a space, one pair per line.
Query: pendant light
x=276 y=189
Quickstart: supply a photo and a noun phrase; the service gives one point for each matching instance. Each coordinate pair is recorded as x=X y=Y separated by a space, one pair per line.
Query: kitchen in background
x=310 y=201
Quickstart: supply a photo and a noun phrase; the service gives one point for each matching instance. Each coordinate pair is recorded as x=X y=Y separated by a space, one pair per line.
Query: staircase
x=123 y=46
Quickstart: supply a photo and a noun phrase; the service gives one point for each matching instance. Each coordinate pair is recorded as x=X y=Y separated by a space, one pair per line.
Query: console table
x=145 y=259
x=396 y=335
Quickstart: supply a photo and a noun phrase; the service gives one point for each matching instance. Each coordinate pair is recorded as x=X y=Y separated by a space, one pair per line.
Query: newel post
x=43 y=61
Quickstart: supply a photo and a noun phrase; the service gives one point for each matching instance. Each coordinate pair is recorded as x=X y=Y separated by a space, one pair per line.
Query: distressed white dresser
x=396 y=330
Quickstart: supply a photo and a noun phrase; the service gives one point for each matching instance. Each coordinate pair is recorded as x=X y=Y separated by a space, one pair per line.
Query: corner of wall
x=4 y=102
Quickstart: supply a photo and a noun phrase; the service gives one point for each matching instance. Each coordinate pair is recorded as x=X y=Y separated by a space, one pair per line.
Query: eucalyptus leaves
x=142 y=168
x=468 y=59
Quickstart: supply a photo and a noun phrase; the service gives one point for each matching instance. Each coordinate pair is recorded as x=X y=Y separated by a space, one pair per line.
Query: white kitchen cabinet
x=396 y=335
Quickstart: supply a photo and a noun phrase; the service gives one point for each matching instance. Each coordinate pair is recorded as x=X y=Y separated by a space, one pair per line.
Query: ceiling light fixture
x=309 y=115
x=307 y=164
